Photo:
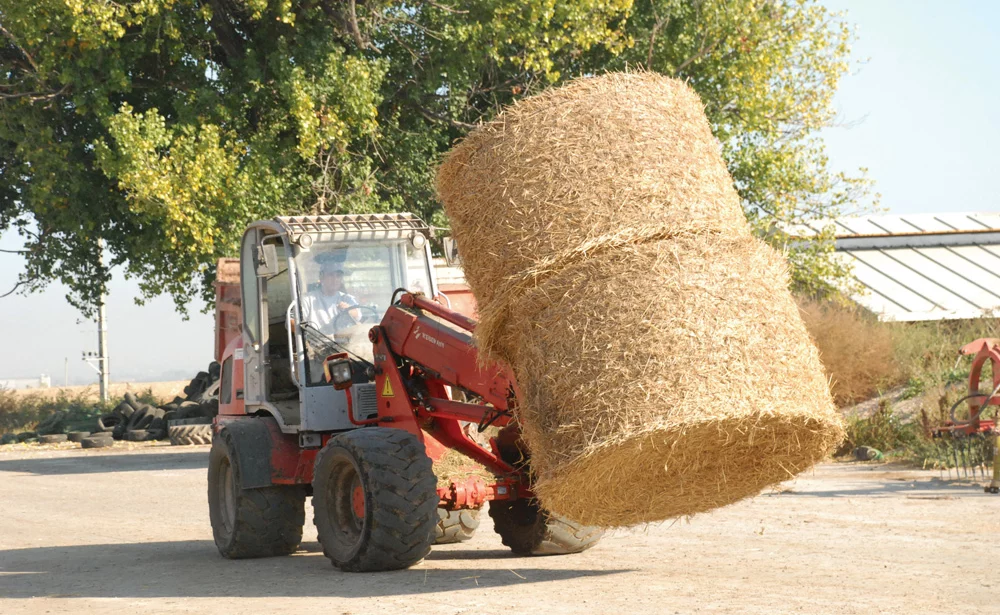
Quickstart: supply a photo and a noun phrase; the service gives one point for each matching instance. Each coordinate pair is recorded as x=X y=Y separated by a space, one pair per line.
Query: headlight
x=338 y=372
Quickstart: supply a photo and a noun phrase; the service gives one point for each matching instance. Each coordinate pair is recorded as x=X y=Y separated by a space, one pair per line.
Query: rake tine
x=953 y=445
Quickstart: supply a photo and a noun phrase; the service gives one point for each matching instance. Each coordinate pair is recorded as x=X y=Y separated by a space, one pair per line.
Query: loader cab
x=313 y=286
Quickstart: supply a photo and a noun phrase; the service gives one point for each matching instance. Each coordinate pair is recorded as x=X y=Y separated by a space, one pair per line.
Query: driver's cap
x=330 y=266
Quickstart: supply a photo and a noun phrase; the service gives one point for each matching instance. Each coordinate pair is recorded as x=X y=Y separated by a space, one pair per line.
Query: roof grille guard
x=354 y=226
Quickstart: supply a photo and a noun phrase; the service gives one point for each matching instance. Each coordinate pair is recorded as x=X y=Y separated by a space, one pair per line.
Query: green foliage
x=25 y=411
x=883 y=430
x=163 y=127
x=927 y=352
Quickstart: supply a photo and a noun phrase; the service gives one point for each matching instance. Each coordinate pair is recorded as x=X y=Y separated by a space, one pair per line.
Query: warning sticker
x=387 y=389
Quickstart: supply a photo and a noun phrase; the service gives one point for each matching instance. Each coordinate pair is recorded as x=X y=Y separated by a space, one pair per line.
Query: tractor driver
x=328 y=308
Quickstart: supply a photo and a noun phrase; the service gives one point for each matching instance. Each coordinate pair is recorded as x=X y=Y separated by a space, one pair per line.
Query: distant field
x=161 y=390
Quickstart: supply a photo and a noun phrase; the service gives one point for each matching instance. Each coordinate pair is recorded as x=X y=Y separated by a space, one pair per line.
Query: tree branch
x=37 y=96
x=352 y=22
x=11 y=291
x=701 y=53
x=661 y=22
x=440 y=119
x=27 y=56
x=447 y=9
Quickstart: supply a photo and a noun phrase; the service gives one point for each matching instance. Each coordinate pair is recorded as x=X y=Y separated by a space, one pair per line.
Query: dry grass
x=455 y=465
x=160 y=390
x=857 y=351
x=664 y=364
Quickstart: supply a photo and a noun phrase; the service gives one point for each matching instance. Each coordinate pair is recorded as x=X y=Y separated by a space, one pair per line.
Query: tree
x=767 y=71
x=165 y=126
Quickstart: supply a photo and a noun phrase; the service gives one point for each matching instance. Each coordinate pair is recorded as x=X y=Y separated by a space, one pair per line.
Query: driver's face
x=331 y=281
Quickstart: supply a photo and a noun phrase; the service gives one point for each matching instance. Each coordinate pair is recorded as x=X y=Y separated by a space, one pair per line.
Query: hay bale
x=558 y=177
x=667 y=379
x=663 y=364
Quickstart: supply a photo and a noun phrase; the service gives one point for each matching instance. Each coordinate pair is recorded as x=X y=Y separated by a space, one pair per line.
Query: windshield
x=345 y=288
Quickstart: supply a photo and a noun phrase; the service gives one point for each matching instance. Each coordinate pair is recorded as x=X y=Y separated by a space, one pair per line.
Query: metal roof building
x=923 y=266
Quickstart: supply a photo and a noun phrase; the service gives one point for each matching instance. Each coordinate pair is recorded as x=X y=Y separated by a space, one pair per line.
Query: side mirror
x=267 y=260
x=451 y=252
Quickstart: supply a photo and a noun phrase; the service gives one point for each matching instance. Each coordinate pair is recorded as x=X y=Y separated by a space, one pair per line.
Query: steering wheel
x=368 y=314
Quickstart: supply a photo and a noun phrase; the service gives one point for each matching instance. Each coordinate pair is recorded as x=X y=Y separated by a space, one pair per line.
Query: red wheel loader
x=345 y=374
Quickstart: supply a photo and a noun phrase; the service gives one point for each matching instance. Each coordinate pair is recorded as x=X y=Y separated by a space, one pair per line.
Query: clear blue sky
x=924 y=121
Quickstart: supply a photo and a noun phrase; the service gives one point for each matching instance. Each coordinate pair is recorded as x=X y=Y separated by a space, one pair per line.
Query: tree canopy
x=164 y=126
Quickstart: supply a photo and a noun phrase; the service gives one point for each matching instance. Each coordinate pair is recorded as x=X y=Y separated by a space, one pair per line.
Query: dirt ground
x=127 y=531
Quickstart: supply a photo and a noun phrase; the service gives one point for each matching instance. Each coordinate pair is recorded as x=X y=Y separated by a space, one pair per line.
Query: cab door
x=253 y=368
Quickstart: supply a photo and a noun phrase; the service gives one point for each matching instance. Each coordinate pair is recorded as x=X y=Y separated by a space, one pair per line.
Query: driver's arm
x=353 y=312
x=349 y=302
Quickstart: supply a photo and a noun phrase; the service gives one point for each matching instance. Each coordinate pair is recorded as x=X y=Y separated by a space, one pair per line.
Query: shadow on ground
x=98 y=464
x=194 y=569
x=888 y=485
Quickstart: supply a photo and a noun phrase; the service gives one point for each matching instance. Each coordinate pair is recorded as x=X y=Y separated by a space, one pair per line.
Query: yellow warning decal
x=387 y=389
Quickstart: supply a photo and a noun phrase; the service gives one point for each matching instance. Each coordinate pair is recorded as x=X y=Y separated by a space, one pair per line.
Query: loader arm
x=424 y=356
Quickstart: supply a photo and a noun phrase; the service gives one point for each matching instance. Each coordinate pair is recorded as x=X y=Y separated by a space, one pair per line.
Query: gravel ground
x=126 y=530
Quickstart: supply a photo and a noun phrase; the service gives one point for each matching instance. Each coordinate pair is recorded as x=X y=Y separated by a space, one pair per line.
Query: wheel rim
x=346 y=509
x=358 y=500
x=227 y=496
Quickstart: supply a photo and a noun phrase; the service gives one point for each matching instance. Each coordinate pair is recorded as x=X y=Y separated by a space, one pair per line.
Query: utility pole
x=102 y=332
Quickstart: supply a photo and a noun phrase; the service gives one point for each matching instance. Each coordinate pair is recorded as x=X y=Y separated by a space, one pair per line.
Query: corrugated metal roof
x=922 y=266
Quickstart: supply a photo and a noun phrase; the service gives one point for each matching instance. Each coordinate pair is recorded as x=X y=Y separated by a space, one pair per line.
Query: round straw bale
x=663 y=365
x=601 y=162
x=667 y=379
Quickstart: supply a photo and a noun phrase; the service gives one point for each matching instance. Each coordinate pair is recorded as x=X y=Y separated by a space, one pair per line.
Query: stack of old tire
x=185 y=420
x=60 y=426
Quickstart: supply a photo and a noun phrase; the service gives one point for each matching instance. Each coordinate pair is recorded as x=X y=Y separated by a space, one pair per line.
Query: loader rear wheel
x=263 y=522
x=529 y=530
x=375 y=497
x=455 y=526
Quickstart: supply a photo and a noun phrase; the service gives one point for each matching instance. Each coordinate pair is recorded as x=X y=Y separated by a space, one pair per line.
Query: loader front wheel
x=246 y=523
x=455 y=526
x=529 y=530
x=375 y=498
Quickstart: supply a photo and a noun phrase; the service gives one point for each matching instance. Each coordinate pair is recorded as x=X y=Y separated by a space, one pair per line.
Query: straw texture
x=663 y=364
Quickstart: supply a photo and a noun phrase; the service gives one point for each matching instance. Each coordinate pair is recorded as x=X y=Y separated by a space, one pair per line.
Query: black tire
x=125 y=408
x=375 y=498
x=137 y=435
x=157 y=423
x=455 y=526
x=197 y=385
x=187 y=435
x=209 y=408
x=108 y=422
x=529 y=530
x=26 y=435
x=137 y=420
x=247 y=523
x=209 y=394
x=77 y=436
x=197 y=420
x=131 y=400
x=54 y=438
x=97 y=442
